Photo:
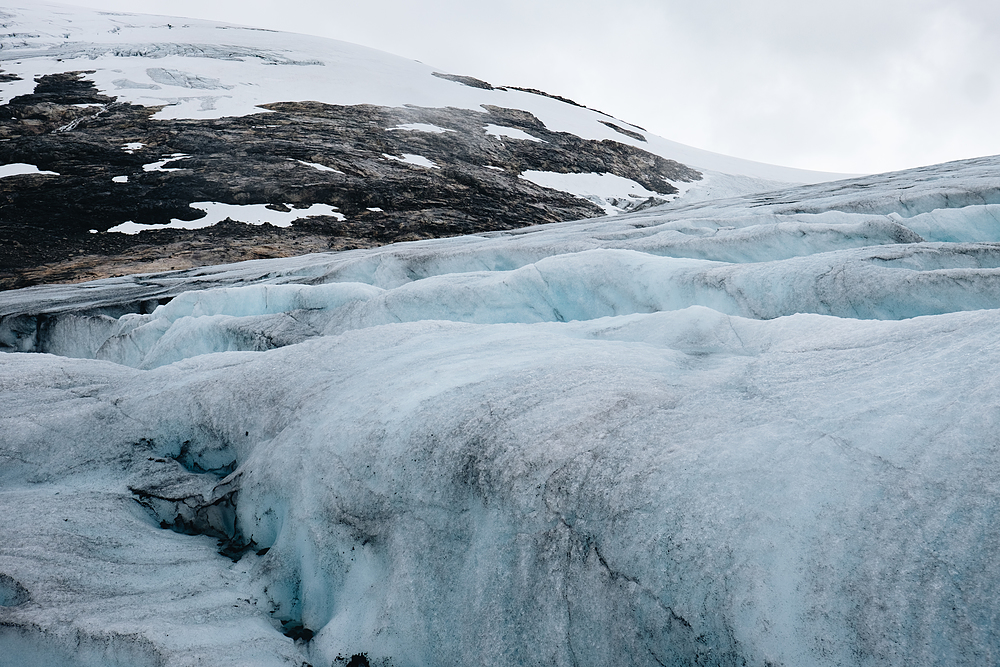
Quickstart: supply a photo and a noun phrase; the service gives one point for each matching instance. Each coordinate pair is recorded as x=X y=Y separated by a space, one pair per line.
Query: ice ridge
x=751 y=431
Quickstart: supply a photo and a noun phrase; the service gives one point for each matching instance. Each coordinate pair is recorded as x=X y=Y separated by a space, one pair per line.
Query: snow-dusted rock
x=196 y=132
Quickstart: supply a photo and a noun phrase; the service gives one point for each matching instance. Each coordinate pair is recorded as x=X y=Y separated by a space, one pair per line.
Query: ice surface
x=758 y=430
x=172 y=77
x=612 y=193
x=680 y=487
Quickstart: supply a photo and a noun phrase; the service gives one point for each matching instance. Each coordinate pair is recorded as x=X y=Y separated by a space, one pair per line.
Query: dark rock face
x=291 y=154
x=465 y=80
x=622 y=130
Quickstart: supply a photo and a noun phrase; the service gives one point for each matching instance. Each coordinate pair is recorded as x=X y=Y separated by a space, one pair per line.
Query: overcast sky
x=850 y=86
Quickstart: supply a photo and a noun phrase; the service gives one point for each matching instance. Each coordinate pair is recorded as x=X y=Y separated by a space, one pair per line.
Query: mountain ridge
x=147 y=137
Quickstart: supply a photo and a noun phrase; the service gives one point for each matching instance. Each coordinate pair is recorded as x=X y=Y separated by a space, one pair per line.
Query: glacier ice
x=748 y=431
x=672 y=487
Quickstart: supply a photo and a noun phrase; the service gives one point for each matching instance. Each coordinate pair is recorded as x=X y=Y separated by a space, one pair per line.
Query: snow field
x=201 y=69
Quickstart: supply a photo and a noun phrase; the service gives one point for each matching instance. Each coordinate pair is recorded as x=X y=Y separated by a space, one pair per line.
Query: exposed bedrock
x=293 y=154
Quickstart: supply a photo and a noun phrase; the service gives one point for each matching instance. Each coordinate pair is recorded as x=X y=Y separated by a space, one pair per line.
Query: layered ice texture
x=750 y=431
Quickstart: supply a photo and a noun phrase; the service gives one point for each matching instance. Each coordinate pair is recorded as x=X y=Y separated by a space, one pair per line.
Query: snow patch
x=510 y=133
x=159 y=165
x=319 y=167
x=422 y=127
x=410 y=158
x=614 y=194
x=252 y=214
x=22 y=168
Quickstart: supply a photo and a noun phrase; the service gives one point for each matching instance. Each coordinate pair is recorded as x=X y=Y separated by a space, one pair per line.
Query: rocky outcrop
x=55 y=227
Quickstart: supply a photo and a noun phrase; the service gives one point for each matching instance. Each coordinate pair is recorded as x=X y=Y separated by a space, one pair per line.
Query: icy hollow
x=753 y=431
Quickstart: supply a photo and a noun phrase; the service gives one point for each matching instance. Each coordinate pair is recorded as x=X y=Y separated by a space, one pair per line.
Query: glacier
x=759 y=430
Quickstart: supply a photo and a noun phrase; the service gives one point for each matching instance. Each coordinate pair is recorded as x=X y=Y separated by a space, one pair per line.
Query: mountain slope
x=122 y=123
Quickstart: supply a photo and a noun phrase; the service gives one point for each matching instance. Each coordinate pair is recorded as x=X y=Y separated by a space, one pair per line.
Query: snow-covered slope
x=752 y=431
x=203 y=69
x=131 y=142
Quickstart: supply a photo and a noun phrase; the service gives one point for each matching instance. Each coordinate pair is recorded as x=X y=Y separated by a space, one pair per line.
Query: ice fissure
x=12 y=593
x=188 y=503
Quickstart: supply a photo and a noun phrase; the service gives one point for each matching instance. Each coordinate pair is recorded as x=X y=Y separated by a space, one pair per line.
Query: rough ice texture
x=754 y=431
